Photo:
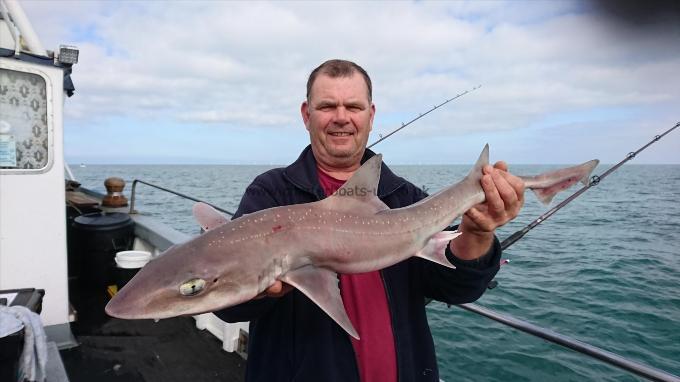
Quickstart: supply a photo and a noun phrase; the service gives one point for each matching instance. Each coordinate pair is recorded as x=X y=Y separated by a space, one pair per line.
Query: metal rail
x=133 y=196
x=640 y=369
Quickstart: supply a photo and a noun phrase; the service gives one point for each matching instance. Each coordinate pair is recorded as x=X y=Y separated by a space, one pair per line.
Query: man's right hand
x=278 y=289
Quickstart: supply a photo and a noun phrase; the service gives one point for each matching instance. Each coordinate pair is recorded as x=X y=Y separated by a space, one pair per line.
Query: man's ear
x=304 y=110
x=372 y=115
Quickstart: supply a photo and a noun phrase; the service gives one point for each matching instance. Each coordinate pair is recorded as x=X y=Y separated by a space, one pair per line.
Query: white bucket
x=132 y=259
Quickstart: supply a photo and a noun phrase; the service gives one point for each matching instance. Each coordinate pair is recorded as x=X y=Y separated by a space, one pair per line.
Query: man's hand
x=504 y=199
x=277 y=289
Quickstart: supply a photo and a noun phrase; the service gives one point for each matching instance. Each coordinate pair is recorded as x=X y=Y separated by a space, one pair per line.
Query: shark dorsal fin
x=207 y=216
x=360 y=191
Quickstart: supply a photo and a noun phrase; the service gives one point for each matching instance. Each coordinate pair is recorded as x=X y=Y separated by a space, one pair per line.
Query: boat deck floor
x=143 y=350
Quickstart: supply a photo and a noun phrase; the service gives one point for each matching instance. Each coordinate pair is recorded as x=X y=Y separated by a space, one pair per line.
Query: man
x=290 y=337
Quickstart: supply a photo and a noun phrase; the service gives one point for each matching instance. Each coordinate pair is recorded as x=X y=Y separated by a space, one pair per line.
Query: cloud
x=237 y=118
x=227 y=64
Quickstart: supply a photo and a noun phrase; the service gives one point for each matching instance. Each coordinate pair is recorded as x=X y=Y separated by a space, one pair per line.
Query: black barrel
x=124 y=275
x=74 y=263
x=97 y=238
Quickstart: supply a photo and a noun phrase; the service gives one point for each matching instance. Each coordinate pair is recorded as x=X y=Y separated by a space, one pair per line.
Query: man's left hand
x=504 y=198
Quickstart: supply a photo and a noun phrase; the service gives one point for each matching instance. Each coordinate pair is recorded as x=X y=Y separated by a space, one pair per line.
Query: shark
x=308 y=245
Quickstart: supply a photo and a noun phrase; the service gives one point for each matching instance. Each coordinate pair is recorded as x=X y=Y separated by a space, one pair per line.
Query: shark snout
x=129 y=303
x=115 y=308
x=132 y=301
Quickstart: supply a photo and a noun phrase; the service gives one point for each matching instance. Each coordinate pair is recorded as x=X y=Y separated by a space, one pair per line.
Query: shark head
x=186 y=279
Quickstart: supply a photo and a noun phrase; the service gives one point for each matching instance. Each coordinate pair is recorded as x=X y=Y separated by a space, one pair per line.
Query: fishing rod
x=581 y=347
x=382 y=138
x=421 y=115
x=592 y=351
x=594 y=181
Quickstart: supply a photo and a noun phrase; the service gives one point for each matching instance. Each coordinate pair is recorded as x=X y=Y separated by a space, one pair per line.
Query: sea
x=604 y=270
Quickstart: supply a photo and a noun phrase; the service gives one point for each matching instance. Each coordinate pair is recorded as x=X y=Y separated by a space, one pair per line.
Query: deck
x=114 y=350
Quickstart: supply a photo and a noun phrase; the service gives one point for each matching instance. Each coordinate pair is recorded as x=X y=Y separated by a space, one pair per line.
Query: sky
x=220 y=82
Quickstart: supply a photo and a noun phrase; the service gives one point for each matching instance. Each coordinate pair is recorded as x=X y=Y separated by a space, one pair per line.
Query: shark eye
x=192 y=287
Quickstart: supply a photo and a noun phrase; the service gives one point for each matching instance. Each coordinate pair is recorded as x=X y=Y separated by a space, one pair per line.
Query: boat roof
x=69 y=88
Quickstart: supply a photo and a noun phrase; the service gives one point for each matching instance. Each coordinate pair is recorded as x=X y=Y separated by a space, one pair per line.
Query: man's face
x=339 y=117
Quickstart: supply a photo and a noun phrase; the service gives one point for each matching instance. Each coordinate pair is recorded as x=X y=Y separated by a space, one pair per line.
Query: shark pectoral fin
x=435 y=249
x=207 y=216
x=545 y=186
x=321 y=286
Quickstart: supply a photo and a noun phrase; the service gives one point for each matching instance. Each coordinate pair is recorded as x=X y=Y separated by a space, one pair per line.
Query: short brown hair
x=339 y=68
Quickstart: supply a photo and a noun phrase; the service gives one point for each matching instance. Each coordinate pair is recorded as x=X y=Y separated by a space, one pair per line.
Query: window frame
x=49 y=99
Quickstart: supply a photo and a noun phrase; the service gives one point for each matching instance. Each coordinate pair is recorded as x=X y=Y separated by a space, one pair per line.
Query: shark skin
x=307 y=245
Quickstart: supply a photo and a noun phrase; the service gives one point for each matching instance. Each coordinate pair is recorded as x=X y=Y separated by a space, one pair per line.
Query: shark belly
x=362 y=244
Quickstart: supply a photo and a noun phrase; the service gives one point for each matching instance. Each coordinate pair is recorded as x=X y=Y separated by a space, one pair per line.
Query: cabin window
x=24 y=140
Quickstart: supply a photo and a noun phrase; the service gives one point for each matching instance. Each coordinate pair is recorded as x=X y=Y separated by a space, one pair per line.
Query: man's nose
x=341 y=115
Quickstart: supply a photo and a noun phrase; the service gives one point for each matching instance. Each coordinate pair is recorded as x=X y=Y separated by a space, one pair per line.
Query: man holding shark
x=361 y=246
x=290 y=337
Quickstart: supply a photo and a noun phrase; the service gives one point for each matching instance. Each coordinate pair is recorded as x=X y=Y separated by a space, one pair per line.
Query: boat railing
x=645 y=371
x=614 y=359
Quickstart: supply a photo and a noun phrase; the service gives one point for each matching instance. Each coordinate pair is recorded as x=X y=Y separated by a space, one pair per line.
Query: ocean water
x=604 y=270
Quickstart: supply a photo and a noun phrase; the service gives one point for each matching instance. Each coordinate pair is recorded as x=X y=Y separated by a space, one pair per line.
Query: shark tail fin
x=475 y=173
x=545 y=186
